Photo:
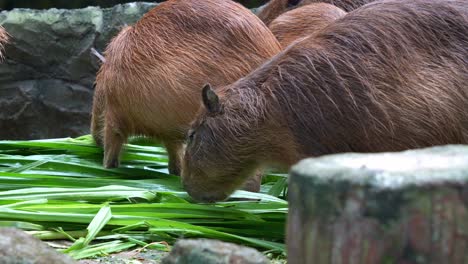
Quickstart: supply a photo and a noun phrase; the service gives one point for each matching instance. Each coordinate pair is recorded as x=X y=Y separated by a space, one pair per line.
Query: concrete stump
x=406 y=207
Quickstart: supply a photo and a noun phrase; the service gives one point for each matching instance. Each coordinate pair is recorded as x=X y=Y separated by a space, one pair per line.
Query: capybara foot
x=111 y=163
x=99 y=142
x=174 y=169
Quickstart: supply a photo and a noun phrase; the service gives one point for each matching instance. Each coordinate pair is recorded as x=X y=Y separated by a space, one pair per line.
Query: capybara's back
x=303 y=21
x=155 y=70
x=3 y=40
x=389 y=76
x=274 y=8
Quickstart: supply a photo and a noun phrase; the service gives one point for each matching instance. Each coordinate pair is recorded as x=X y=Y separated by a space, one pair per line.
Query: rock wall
x=46 y=80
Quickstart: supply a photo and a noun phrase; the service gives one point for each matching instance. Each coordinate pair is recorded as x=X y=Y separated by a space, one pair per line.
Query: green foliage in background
x=57 y=189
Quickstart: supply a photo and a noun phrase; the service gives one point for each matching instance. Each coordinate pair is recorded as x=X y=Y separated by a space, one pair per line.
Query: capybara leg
x=113 y=141
x=97 y=117
x=253 y=183
x=97 y=131
x=175 y=151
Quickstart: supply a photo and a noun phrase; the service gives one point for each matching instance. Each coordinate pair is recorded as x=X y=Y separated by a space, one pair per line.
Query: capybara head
x=389 y=76
x=274 y=8
x=229 y=141
x=304 y=21
x=201 y=175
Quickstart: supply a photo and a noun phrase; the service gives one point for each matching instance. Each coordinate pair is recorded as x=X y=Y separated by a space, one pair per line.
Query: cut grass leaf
x=33 y=164
x=100 y=194
x=55 y=189
x=278 y=187
x=101 y=249
x=240 y=194
x=21 y=225
x=96 y=225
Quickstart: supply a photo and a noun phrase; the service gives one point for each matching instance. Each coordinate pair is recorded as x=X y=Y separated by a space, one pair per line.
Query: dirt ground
x=145 y=257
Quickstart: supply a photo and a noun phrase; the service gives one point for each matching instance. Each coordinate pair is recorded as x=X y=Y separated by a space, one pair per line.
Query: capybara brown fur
x=303 y=21
x=390 y=76
x=154 y=71
x=274 y=8
x=3 y=40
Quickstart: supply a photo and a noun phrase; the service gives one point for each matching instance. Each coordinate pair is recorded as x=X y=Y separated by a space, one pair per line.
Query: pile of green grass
x=58 y=189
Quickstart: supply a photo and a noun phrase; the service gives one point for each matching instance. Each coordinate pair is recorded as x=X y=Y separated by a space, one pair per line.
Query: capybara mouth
x=206 y=197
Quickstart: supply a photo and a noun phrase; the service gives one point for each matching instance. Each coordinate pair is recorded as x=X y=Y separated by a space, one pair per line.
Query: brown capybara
x=154 y=71
x=3 y=40
x=274 y=8
x=303 y=21
x=390 y=76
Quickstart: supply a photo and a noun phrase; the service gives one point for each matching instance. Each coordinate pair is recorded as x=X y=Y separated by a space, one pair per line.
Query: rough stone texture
x=46 y=81
x=206 y=251
x=17 y=247
x=407 y=207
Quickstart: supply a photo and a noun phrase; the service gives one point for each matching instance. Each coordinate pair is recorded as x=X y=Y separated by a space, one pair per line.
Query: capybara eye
x=292 y=3
x=191 y=133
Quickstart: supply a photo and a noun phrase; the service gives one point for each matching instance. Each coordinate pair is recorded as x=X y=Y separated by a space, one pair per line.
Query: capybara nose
x=207 y=197
x=212 y=198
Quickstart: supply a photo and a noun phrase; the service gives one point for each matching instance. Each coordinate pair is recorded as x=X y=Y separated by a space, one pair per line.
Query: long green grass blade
x=55 y=189
x=98 y=223
x=106 y=193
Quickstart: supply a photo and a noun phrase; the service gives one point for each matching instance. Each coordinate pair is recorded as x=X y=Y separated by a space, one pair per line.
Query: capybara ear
x=293 y=2
x=210 y=99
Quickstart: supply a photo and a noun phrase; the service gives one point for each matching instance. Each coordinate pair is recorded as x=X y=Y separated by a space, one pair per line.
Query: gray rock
x=17 y=247
x=46 y=80
x=206 y=251
x=406 y=207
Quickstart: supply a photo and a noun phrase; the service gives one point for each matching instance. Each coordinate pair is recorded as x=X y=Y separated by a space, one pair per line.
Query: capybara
x=389 y=76
x=3 y=40
x=154 y=71
x=303 y=21
x=274 y=8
